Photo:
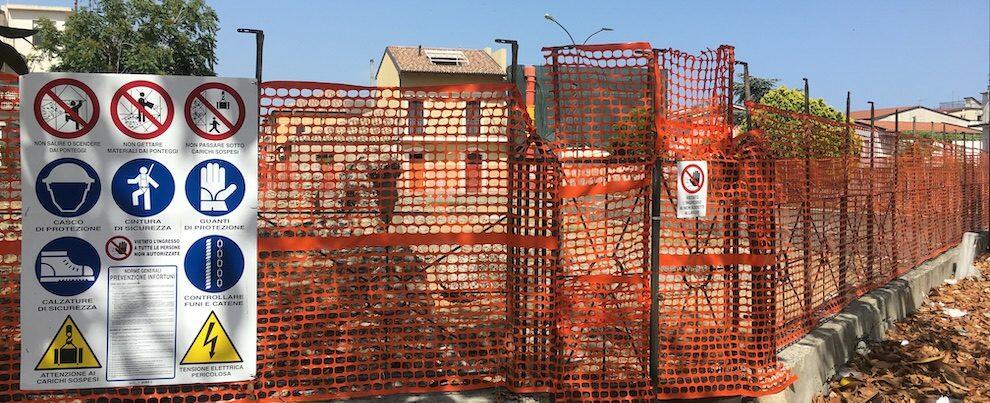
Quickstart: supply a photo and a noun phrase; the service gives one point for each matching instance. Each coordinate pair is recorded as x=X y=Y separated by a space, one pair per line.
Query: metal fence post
x=655 y=228
x=871 y=208
x=844 y=203
x=806 y=216
x=895 y=186
x=747 y=95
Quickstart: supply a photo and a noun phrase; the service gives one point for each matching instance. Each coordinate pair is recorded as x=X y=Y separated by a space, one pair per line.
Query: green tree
x=134 y=36
x=758 y=87
x=790 y=137
x=790 y=99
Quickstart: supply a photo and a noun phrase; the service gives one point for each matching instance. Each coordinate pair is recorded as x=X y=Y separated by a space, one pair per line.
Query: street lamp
x=603 y=29
x=550 y=17
x=554 y=20
x=259 y=37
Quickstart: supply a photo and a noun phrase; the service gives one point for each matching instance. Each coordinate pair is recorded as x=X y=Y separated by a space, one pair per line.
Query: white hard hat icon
x=68 y=172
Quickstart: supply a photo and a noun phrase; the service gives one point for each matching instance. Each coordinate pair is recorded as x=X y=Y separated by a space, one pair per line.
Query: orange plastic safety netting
x=394 y=224
x=600 y=114
x=856 y=207
x=426 y=239
x=607 y=105
x=715 y=274
x=10 y=233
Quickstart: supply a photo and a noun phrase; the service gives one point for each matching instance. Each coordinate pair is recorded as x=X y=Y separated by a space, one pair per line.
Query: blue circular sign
x=67 y=187
x=215 y=187
x=142 y=187
x=214 y=263
x=67 y=266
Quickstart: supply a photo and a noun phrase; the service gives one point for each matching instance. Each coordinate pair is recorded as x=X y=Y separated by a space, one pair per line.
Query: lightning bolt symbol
x=212 y=341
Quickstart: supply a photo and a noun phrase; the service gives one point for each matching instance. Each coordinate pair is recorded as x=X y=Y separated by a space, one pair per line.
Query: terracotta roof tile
x=411 y=59
x=880 y=112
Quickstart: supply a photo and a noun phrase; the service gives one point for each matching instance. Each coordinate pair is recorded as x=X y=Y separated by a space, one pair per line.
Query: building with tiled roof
x=415 y=66
x=920 y=116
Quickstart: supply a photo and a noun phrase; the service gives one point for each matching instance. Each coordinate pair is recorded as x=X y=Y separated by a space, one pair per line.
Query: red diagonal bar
x=141 y=109
x=202 y=100
x=68 y=109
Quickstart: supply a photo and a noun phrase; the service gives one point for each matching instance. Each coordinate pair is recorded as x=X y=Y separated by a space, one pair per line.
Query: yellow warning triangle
x=212 y=345
x=68 y=350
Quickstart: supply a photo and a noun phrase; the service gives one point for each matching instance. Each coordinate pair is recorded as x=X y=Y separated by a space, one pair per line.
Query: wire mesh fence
x=418 y=240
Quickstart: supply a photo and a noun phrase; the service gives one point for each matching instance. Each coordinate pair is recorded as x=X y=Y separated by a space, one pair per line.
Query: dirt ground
x=941 y=353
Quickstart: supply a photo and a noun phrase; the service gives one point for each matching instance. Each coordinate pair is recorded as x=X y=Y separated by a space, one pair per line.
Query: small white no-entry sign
x=692 y=189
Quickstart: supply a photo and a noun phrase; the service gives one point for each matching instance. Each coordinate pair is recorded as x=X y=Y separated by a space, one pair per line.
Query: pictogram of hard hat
x=68 y=173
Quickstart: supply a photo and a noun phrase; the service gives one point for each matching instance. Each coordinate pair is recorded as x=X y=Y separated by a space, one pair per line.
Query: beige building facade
x=27 y=16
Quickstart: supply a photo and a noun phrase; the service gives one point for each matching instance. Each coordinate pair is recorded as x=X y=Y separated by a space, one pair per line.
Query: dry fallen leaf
x=928 y=356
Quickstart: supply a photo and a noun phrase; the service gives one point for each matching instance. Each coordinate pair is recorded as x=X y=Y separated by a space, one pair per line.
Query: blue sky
x=894 y=53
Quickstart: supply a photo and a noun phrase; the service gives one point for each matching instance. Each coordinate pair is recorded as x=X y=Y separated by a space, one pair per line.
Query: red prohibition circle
x=684 y=175
x=85 y=127
x=130 y=247
x=162 y=126
x=232 y=127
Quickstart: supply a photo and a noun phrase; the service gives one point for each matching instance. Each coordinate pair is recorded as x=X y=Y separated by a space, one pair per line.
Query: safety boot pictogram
x=56 y=266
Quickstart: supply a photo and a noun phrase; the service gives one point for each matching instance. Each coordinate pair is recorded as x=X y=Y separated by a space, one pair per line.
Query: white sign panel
x=139 y=253
x=692 y=189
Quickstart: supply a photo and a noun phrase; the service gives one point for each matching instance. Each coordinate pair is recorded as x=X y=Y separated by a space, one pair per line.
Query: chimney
x=419 y=51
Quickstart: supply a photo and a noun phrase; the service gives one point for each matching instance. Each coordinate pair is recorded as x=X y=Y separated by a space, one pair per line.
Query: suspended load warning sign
x=68 y=350
x=139 y=220
x=692 y=189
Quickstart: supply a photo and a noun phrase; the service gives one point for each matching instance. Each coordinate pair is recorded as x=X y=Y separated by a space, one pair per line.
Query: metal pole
x=514 y=45
x=747 y=95
x=554 y=20
x=844 y=202
x=967 y=192
x=655 y=208
x=895 y=239
x=603 y=29
x=259 y=48
x=870 y=219
x=806 y=213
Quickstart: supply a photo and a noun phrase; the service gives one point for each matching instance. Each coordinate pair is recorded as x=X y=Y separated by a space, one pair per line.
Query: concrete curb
x=816 y=356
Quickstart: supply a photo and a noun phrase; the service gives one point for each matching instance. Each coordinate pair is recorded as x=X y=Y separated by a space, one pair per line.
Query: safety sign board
x=67 y=187
x=119 y=248
x=212 y=345
x=142 y=109
x=692 y=189
x=139 y=251
x=214 y=111
x=68 y=350
x=66 y=108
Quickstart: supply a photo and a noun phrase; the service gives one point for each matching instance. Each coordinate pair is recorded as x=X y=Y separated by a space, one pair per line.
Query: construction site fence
x=416 y=240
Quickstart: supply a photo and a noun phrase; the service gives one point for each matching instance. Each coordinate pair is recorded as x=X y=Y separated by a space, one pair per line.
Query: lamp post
x=259 y=37
x=603 y=29
x=554 y=20
x=573 y=42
